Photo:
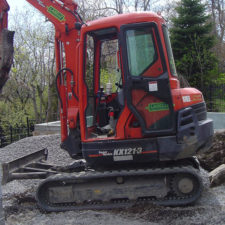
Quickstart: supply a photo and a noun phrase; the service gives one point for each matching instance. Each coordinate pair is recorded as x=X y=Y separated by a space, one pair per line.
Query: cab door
x=147 y=89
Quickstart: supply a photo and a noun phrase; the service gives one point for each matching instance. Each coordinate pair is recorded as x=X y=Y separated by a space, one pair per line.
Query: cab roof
x=119 y=20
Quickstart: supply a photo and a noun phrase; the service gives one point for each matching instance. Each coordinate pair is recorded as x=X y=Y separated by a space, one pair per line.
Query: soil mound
x=215 y=156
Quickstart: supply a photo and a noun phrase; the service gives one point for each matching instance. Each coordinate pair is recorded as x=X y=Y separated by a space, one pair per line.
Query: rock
x=217 y=176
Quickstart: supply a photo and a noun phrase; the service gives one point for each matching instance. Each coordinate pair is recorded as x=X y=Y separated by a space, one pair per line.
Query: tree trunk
x=35 y=104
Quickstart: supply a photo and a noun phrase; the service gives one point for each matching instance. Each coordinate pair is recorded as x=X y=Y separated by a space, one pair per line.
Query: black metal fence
x=10 y=134
x=215 y=97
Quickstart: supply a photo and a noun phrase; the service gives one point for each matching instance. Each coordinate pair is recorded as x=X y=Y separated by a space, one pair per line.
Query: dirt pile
x=215 y=156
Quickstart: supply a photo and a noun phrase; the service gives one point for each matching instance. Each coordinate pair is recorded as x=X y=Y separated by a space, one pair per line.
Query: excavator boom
x=6 y=44
x=63 y=14
x=4 y=8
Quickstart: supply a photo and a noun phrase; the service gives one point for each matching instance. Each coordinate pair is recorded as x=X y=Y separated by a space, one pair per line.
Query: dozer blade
x=27 y=167
x=119 y=189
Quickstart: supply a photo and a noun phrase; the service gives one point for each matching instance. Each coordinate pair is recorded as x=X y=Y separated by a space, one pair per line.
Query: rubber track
x=167 y=201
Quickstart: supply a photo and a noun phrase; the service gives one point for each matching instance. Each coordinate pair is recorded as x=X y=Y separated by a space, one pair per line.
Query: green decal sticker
x=157 y=106
x=58 y=15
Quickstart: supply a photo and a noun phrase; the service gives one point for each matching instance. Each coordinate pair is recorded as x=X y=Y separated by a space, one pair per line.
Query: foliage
x=111 y=77
x=220 y=79
x=12 y=114
x=217 y=8
x=30 y=91
x=192 y=42
x=94 y=9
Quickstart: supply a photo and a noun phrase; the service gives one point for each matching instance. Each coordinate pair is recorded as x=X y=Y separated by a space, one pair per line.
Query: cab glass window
x=169 y=51
x=141 y=50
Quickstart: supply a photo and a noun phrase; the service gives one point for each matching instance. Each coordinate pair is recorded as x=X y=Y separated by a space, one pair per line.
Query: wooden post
x=2 y=219
x=28 y=127
x=11 y=134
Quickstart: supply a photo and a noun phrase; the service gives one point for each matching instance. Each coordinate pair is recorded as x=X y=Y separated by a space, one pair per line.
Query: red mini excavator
x=125 y=120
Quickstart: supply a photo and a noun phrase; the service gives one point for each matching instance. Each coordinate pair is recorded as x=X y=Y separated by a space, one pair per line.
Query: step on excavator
x=132 y=130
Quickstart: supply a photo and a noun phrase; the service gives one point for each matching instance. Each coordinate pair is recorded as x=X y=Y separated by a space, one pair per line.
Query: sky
x=20 y=4
x=17 y=4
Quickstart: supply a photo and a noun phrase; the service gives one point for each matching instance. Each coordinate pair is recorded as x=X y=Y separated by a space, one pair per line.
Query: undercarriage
x=77 y=187
x=116 y=189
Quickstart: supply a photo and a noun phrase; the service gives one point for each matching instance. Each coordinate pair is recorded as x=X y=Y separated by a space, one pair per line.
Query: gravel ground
x=20 y=206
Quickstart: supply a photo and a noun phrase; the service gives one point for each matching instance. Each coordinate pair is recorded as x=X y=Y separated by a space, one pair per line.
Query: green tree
x=192 y=42
x=30 y=90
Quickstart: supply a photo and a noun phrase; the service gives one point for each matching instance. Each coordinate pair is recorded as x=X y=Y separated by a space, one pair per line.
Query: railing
x=215 y=97
x=10 y=134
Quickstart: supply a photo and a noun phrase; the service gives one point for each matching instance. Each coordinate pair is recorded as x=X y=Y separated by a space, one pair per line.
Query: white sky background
x=18 y=5
x=23 y=4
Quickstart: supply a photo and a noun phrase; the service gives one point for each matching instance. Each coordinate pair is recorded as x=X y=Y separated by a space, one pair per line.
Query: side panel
x=194 y=133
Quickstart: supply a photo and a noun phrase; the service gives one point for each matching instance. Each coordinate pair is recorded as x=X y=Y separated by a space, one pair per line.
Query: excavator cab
x=130 y=101
x=143 y=83
x=132 y=89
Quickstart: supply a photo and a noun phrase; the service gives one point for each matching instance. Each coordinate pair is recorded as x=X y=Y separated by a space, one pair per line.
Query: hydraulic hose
x=72 y=84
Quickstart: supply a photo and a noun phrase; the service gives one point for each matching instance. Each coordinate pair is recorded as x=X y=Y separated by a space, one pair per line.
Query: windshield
x=141 y=50
x=169 y=51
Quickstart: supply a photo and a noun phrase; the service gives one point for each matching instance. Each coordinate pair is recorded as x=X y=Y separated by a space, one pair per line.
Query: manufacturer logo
x=127 y=151
x=105 y=153
x=54 y=12
x=157 y=106
x=126 y=154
